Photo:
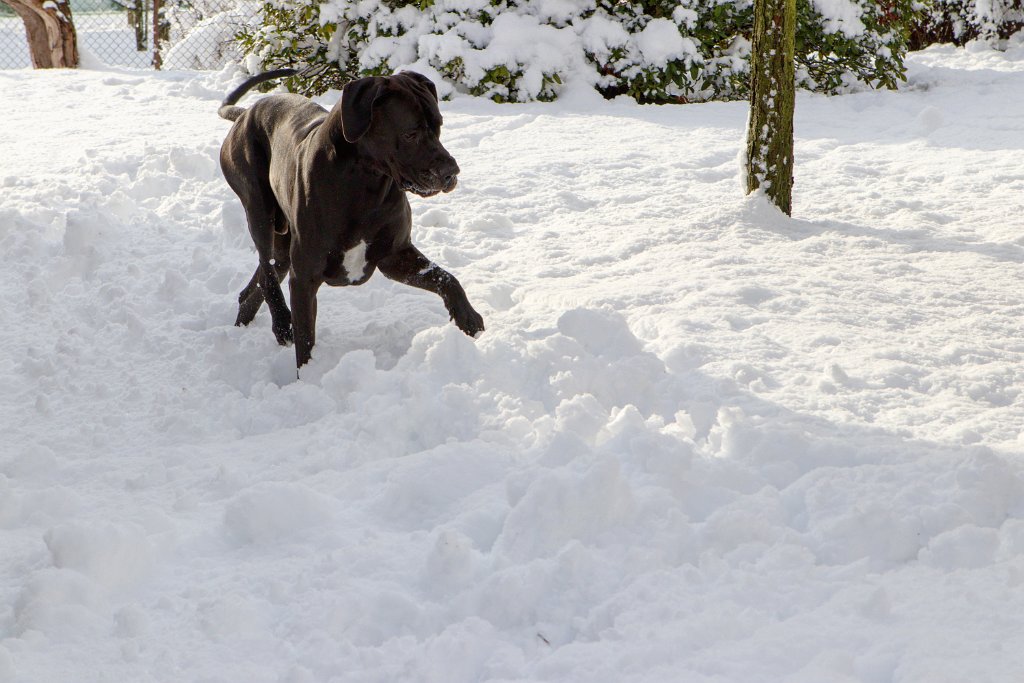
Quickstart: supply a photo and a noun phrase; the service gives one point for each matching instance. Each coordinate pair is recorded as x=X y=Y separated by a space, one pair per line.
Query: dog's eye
x=411 y=135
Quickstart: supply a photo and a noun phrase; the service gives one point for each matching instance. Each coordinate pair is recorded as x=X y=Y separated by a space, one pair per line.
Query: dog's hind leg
x=251 y=297
x=265 y=285
x=249 y=300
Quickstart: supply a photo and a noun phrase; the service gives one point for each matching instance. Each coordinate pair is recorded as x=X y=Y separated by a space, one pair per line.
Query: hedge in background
x=523 y=50
x=960 y=21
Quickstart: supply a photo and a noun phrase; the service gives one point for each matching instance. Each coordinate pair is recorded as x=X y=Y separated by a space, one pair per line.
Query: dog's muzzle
x=430 y=188
x=441 y=178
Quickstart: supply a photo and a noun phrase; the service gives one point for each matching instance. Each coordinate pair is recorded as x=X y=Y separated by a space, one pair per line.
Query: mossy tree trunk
x=160 y=33
x=51 y=33
x=138 y=19
x=772 y=95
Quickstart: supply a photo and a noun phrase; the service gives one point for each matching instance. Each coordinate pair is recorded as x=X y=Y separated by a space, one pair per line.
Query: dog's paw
x=469 y=321
x=284 y=336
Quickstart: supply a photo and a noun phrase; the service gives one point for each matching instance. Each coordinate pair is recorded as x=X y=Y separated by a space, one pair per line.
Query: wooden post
x=772 y=99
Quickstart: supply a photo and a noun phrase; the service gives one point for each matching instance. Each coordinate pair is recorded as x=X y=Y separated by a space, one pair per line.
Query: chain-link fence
x=184 y=34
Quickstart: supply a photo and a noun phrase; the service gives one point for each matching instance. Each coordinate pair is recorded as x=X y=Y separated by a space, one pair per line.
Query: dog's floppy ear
x=357 y=98
x=422 y=80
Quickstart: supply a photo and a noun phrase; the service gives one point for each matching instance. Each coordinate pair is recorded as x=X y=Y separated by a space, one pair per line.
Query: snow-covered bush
x=673 y=51
x=842 y=42
x=198 y=34
x=958 y=21
x=522 y=50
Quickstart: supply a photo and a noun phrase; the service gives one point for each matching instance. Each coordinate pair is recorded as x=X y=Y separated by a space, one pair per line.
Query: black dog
x=324 y=195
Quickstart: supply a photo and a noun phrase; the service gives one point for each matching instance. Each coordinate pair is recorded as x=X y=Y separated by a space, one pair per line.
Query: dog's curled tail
x=229 y=111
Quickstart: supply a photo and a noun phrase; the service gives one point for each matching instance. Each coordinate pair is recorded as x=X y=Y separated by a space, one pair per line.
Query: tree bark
x=158 y=37
x=772 y=98
x=137 y=19
x=51 y=33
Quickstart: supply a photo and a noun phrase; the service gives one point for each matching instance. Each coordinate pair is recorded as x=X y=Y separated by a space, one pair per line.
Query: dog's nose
x=444 y=174
x=448 y=170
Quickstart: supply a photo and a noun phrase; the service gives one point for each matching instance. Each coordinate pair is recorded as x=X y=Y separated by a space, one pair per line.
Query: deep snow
x=699 y=441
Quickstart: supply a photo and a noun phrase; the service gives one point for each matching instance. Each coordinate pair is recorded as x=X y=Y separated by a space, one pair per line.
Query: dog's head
x=397 y=123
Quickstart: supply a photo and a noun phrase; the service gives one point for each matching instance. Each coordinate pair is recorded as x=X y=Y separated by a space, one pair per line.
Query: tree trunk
x=158 y=34
x=772 y=96
x=138 y=19
x=50 y=31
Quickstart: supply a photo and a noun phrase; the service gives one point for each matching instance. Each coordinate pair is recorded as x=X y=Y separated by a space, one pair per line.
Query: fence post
x=157 y=61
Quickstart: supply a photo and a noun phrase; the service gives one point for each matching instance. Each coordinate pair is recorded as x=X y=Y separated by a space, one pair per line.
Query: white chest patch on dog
x=354 y=262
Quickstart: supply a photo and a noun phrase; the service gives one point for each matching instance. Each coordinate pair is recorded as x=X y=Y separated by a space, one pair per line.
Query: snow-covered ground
x=105 y=36
x=699 y=441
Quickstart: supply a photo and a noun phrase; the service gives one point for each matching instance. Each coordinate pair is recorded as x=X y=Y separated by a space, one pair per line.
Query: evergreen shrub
x=522 y=50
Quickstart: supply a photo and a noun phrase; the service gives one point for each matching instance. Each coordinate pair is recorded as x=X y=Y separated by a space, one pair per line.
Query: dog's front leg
x=303 y=299
x=413 y=268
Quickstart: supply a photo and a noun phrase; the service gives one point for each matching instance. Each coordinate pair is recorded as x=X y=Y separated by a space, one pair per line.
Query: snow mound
x=112 y=555
x=275 y=512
